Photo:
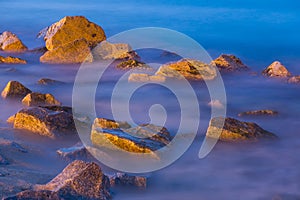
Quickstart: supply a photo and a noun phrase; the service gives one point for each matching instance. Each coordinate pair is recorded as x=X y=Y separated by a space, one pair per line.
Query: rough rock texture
x=48 y=81
x=139 y=77
x=79 y=180
x=11 y=60
x=77 y=151
x=49 y=121
x=276 y=69
x=229 y=63
x=142 y=139
x=235 y=130
x=72 y=28
x=15 y=89
x=11 y=42
x=123 y=179
x=109 y=124
x=259 y=112
x=131 y=64
x=189 y=69
x=77 y=51
x=294 y=79
x=39 y=99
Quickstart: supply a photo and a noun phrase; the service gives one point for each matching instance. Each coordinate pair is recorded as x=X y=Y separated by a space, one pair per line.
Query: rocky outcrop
x=15 y=89
x=11 y=60
x=51 y=121
x=123 y=179
x=79 y=180
x=188 y=69
x=11 y=42
x=294 y=79
x=258 y=113
x=229 y=63
x=39 y=99
x=276 y=69
x=132 y=64
x=48 y=81
x=235 y=130
x=142 y=139
x=140 y=77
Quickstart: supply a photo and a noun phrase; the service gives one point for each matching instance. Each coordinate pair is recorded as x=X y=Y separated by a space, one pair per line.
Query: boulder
x=276 y=69
x=72 y=28
x=48 y=81
x=15 y=89
x=123 y=179
x=132 y=64
x=39 y=99
x=11 y=42
x=188 y=69
x=229 y=63
x=235 y=130
x=140 y=77
x=258 y=113
x=11 y=60
x=77 y=51
x=51 y=121
x=294 y=79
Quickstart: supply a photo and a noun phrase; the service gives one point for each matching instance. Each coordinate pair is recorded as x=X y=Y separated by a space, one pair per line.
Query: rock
x=124 y=179
x=3 y=161
x=77 y=151
x=216 y=104
x=235 y=130
x=132 y=64
x=294 y=79
x=48 y=81
x=11 y=119
x=258 y=112
x=15 y=89
x=79 y=180
x=77 y=51
x=189 y=69
x=72 y=28
x=51 y=121
x=229 y=63
x=11 y=42
x=39 y=99
x=109 y=124
x=142 y=139
x=139 y=77
x=12 y=60
x=276 y=69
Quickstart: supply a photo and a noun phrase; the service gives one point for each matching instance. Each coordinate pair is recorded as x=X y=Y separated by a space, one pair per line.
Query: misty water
x=257 y=32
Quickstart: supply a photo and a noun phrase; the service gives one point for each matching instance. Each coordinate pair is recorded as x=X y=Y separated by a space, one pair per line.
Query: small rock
x=15 y=89
x=258 y=112
x=140 y=77
x=132 y=64
x=189 y=69
x=235 y=130
x=276 y=69
x=39 y=99
x=124 y=179
x=229 y=63
x=294 y=79
x=77 y=151
x=12 y=60
x=216 y=104
x=11 y=42
x=48 y=81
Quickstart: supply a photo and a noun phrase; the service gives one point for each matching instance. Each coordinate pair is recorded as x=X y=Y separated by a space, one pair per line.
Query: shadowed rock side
x=276 y=69
x=11 y=60
x=259 y=113
x=122 y=179
x=229 y=63
x=15 y=89
x=79 y=180
x=235 y=130
x=11 y=42
x=39 y=99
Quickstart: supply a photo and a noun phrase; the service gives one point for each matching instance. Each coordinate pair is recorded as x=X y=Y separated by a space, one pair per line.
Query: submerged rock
x=229 y=63
x=276 y=69
x=258 y=112
x=294 y=79
x=11 y=60
x=11 y=42
x=48 y=121
x=123 y=179
x=140 y=77
x=15 y=89
x=39 y=99
x=189 y=69
x=48 y=81
x=132 y=64
x=235 y=130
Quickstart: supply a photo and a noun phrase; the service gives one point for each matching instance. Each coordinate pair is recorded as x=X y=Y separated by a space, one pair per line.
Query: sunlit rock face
x=141 y=77
x=15 y=89
x=229 y=63
x=10 y=42
x=11 y=60
x=39 y=99
x=276 y=69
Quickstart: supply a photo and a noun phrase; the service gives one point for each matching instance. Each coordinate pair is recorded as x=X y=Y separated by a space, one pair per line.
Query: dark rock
x=48 y=81
x=259 y=112
x=39 y=99
x=276 y=69
x=123 y=179
x=15 y=89
x=132 y=64
x=12 y=60
x=229 y=63
x=11 y=42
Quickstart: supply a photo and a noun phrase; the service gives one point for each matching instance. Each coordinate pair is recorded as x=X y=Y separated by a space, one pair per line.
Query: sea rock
x=123 y=179
x=15 y=89
x=229 y=63
x=189 y=69
x=79 y=180
x=11 y=60
x=77 y=51
x=11 y=146
x=276 y=69
x=11 y=42
x=110 y=124
x=72 y=28
x=51 y=121
x=140 y=77
x=132 y=64
x=48 y=81
x=294 y=79
x=258 y=113
x=145 y=138
x=39 y=99
x=235 y=130
x=77 y=151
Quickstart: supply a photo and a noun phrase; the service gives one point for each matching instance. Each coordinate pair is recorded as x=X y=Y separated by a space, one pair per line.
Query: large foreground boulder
x=188 y=69
x=11 y=42
x=11 y=60
x=235 y=130
x=276 y=69
x=229 y=63
x=39 y=99
x=15 y=89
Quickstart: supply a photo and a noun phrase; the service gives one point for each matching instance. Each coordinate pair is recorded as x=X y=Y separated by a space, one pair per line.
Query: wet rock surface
x=141 y=77
x=229 y=63
x=11 y=42
x=123 y=179
x=15 y=89
x=12 y=60
x=39 y=99
x=259 y=113
x=235 y=130
x=276 y=69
